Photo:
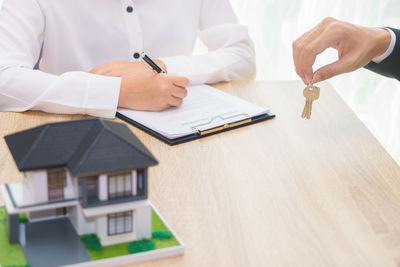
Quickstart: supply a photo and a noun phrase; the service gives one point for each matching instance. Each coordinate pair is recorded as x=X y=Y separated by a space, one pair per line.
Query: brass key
x=311 y=93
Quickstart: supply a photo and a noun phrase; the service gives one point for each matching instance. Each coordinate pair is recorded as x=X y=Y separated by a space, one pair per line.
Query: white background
x=275 y=24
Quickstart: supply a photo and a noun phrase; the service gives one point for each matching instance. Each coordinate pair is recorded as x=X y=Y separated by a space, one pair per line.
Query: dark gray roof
x=84 y=146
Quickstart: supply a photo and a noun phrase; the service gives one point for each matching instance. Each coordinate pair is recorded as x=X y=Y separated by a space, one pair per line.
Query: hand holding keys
x=311 y=93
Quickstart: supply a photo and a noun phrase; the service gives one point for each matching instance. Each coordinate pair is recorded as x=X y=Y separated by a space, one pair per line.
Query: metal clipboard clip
x=202 y=130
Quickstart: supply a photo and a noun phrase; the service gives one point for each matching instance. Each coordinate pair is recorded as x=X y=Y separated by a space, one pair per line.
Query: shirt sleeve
x=388 y=51
x=231 y=51
x=22 y=88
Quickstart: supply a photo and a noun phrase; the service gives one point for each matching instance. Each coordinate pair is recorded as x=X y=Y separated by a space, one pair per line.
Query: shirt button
x=129 y=9
x=136 y=55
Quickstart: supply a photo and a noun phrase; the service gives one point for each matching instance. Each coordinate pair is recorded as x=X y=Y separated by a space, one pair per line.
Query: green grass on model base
x=122 y=249
x=158 y=225
x=10 y=255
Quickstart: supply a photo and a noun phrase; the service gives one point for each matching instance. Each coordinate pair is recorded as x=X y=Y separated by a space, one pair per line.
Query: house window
x=120 y=185
x=56 y=181
x=92 y=187
x=141 y=180
x=120 y=223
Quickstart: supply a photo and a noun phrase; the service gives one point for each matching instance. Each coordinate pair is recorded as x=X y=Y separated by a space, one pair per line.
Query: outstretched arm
x=390 y=65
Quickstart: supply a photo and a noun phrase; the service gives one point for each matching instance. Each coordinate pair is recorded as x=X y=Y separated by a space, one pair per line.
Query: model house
x=93 y=172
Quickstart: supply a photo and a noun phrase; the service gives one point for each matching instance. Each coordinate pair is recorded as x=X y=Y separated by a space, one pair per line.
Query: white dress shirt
x=389 y=50
x=77 y=35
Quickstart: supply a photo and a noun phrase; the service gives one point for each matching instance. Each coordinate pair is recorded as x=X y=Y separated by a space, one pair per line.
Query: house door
x=56 y=181
x=92 y=187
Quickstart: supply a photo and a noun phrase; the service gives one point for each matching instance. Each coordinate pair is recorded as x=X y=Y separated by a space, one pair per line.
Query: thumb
x=330 y=70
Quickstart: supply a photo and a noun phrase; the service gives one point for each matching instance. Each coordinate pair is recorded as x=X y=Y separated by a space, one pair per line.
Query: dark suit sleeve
x=390 y=66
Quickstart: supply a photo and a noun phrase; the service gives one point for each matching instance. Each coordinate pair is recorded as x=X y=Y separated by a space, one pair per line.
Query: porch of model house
x=40 y=235
x=45 y=241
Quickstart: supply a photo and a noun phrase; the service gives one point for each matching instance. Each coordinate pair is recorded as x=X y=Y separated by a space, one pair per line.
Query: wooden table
x=287 y=192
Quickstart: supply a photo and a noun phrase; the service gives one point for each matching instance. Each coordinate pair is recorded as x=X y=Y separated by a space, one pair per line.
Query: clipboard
x=202 y=130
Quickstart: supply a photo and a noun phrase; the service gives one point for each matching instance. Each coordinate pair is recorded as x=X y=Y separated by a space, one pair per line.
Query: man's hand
x=356 y=46
x=154 y=92
x=121 y=68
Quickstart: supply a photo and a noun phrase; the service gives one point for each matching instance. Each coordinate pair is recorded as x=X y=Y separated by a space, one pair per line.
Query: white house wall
x=37 y=182
x=82 y=225
x=114 y=239
x=70 y=191
x=141 y=228
x=103 y=187
x=107 y=240
x=142 y=222
x=29 y=183
x=134 y=182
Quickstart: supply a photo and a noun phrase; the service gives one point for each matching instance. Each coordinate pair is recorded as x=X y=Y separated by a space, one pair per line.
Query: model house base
x=158 y=253
x=84 y=192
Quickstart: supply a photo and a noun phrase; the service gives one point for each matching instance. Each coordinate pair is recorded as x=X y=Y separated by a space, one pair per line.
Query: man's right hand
x=153 y=92
x=356 y=46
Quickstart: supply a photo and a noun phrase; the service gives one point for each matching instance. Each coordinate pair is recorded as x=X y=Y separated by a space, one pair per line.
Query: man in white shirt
x=376 y=49
x=90 y=60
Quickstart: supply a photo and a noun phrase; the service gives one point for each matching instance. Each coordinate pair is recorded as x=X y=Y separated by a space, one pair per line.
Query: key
x=305 y=109
x=311 y=93
x=307 y=95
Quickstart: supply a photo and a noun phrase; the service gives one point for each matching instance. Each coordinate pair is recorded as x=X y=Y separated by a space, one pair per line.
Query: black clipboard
x=195 y=136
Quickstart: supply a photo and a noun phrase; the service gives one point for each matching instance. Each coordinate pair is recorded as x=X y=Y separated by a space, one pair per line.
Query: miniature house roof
x=84 y=146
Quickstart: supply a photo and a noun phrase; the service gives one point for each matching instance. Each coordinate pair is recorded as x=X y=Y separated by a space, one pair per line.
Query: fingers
x=106 y=69
x=297 y=47
x=119 y=68
x=341 y=66
x=308 y=46
x=106 y=72
x=177 y=96
x=179 y=92
x=310 y=53
x=173 y=89
x=175 y=101
x=179 y=80
x=99 y=70
x=179 y=83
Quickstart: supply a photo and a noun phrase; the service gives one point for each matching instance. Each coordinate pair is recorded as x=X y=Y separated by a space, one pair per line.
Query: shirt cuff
x=172 y=65
x=102 y=96
x=389 y=51
x=180 y=65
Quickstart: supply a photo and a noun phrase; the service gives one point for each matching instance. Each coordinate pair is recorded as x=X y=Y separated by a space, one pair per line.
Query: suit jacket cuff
x=390 y=66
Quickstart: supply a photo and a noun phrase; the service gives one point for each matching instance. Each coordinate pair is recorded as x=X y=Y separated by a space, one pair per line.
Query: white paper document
x=204 y=108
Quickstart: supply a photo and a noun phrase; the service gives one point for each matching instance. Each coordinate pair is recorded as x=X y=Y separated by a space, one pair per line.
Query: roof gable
x=124 y=132
x=53 y=147
x=97 y=157
x=22 y=145
x=85 y=146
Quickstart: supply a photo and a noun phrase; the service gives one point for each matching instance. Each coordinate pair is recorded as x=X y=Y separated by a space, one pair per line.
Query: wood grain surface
x=286 y=192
